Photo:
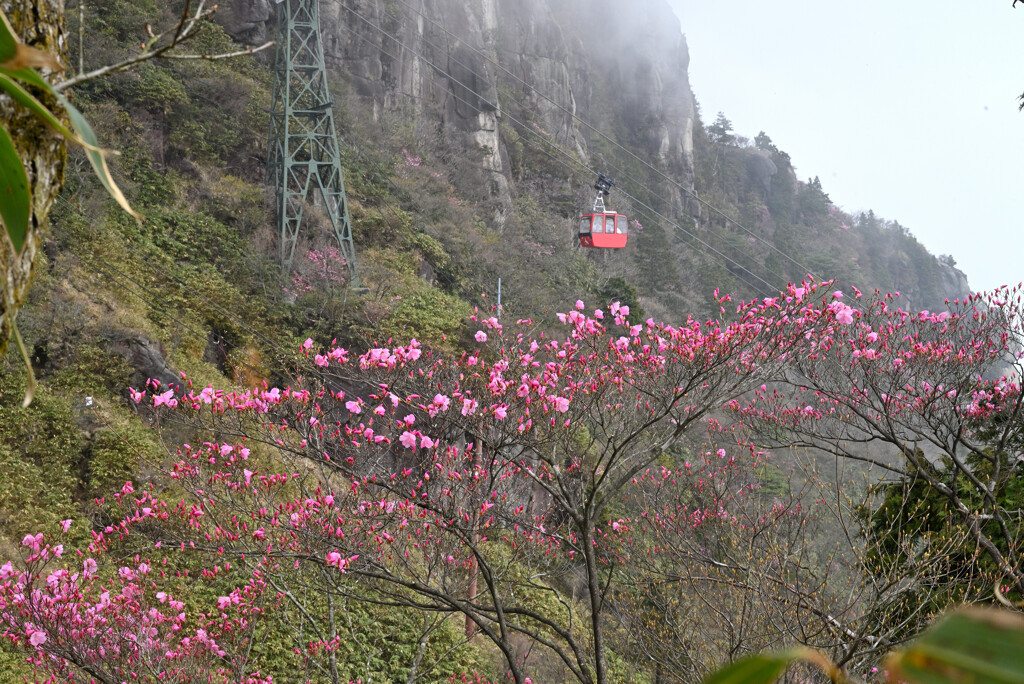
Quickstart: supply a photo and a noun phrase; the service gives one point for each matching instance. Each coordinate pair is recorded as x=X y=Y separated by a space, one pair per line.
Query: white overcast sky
x=906 y=107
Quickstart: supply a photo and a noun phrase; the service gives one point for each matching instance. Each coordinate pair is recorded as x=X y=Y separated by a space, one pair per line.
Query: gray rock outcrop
x=458 y=65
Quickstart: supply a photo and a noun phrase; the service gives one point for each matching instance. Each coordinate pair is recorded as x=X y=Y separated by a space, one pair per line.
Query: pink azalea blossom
x=481 y=336
x=167 y=399
x=408 y=440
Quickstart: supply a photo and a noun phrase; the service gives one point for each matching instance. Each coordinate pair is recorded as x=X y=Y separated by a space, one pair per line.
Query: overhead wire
x=601 y=134
x=160 y=304
x=711 y=250
x=722 y=257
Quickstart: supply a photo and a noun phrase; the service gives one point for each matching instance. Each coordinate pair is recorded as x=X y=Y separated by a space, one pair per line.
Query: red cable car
x=603 y=228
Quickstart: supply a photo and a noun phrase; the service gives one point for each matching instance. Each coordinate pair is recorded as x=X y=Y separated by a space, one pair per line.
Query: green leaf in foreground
x=15 y=55
x=95 y=155
x=764 y=668
x=27 y=100
x=971 y=647
x=8 y=41
x=15 y=199
x=30 y=377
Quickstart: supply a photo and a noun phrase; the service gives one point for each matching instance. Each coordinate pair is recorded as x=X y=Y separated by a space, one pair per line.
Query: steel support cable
x=602 y=135
x=753 y=261
x=771 y=288
x=441 y=71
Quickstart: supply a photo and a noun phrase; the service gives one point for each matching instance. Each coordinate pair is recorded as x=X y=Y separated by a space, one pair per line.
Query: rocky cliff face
x=502 y=93
x=455 y=64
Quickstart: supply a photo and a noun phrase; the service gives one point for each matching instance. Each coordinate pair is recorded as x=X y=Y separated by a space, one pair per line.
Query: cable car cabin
x=605 y=229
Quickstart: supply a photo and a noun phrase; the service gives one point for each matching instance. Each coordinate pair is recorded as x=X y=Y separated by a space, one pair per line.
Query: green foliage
x=93 y=371
x=114 y=454
x=14 y=196
x=967 y=646
x=618 y=290
x=384 y=642
x=401 y=305
x=39 y=448
x=13 y=664
x=654 y=251
x=763 y=142
x=913 y=524
x=772 y=483
x=720 y=132
x=757 y=669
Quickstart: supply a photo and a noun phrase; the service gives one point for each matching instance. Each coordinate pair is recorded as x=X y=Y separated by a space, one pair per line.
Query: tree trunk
x=474 y=571
x=596 y=603
x=40 y=23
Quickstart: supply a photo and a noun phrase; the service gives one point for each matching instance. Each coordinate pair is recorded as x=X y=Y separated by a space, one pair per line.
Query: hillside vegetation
x=195 y=289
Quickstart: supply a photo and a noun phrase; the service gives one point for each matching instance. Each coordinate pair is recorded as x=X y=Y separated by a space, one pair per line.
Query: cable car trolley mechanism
x=603 y=228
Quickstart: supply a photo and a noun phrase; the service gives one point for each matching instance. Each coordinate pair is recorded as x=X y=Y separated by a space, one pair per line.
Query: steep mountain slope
x=535 y=96
x=472 y=130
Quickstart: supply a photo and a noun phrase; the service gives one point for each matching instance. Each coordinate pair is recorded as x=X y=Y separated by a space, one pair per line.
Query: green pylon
x=303 y=154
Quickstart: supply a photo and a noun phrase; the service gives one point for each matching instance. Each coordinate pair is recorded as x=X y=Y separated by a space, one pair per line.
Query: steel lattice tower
x=303 y=153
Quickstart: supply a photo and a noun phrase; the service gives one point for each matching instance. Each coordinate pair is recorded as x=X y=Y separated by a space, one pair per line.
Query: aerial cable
x=710 y=249
x=572 y=159
x=471 y=70
x=601 y=134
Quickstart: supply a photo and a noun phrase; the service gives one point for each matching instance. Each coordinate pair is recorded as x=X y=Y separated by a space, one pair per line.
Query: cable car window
x=585 y=224
x=621 y=224
x=598 y=223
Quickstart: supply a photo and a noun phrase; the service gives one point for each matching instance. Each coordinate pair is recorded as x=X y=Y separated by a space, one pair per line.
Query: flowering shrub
x=490 y=485
x=115 y=626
